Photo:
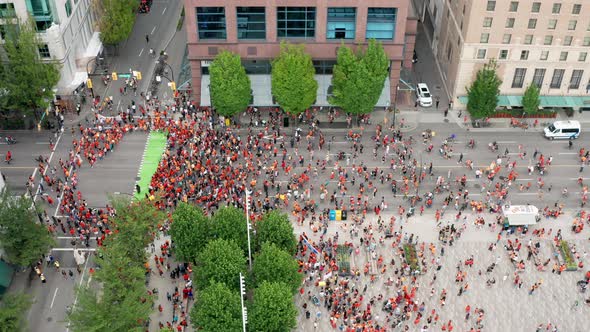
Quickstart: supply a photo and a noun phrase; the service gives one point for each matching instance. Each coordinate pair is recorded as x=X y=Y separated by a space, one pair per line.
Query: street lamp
x=395 y=102
x=248 y=228
x=242 y=294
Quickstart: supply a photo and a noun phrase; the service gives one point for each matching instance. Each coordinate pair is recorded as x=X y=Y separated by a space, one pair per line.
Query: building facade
x=534 y=42
x=255 y=33
x=66 y=29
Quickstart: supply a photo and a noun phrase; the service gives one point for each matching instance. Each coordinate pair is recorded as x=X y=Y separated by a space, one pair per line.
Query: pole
x=395 y=103
x=242 y=293
x=248 y=229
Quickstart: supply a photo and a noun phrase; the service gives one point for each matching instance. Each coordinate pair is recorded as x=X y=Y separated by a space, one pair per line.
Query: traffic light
x=114 y=76
x=173 y=86
x=89 y=83
x=137 y=74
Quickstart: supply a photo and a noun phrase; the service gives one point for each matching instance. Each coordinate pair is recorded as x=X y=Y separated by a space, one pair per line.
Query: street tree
x=23 y=239
x=116 y=20
x=275 y=265
x=530 y=99
x=293 y=84
x=229 y=223
x=272 y=308
x=217 y=308
x=190 y=231
x=276 y=228
x=359 y=78
x=484 y=91
x=230 y=86
x=26 y=82
x=220 y=261
x=13 y=309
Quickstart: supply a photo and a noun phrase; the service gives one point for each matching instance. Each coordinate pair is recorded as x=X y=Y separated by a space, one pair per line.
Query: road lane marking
x=164 y=10
x=53 y=300
x=506 y=142
x=154 y=29
x=41 y=143
x=140 y=53
x=17 y=167
x=568 y=153
x=74 y=249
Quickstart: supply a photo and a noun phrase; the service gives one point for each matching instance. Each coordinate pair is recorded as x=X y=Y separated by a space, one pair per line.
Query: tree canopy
x=359 y=78
x=22 y=237
x=229 y=223
x=116 y=20
x=530 y=99
x=190 y=231
x=13 y=309
x=276 y=228
x=217 y=309
x=275 y=265
x=230 y=86
x=484 y=91
x=273 y=308
x=293 y=84
x=26 y=82
x=220 y=261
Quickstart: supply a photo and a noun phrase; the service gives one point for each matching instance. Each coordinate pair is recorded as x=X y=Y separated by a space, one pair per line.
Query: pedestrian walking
x=8 y=158
x=460 y=158
x=147 y=39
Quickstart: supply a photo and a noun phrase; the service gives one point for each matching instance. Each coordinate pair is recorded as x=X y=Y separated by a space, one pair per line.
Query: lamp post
x=395 y=102
x=248 y=228
x=244 y=309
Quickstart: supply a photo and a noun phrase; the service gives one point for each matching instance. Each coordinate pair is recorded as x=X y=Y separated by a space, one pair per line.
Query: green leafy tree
x=484 y=91
x=22 y=238
x=230 y=86
x=220 y=261
x=530 y=99
x=273 y=308
x=190 y=231
x=13 y=309
x=116 y=20
x=229 y=223
x=26 y=82
x=276 y=228
x=293 y=84
x=275 y=265
x=358 y=79
x=217 y=309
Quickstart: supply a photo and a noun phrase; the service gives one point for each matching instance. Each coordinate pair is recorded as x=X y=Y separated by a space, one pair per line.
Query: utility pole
x=244 y=309
x=248 y=229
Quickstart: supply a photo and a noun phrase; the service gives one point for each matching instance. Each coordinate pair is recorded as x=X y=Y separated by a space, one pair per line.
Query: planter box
x=411 y=257
x=505 y=115
x=568 y=257
x=343 y=260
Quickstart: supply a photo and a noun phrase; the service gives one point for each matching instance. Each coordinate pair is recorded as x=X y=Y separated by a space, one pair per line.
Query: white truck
x=520 y=215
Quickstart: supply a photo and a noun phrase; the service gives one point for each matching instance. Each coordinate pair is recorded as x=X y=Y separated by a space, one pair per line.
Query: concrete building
x=67 y=30
x=534 y=42
x=255 y=32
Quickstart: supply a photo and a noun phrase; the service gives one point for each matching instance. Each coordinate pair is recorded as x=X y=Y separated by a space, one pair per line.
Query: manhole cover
x=137 y=178
x=477 y=185
x=49 y=319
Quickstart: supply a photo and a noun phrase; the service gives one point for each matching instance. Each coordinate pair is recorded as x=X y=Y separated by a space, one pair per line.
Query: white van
x=563 y=130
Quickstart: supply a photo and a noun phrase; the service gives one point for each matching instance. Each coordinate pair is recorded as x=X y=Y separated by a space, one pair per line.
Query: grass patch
x=343 y=260
x=151 y=159
x=568 y=257
x=411 y=257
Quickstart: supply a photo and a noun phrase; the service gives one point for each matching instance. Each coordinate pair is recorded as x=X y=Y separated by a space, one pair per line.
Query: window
x=481 y=53
x=68 y=6
x=539 y=76
x=296 y=22
x=487 y=22
x=582 y=56
x=528 y=39
x=563 y=56
x=7 y=10
x=536 y=7
x=381 y=23
x=44 y=51
x=548 y=40
x=586 y=41
x=510 y=22
x=251 y=23
x=576 y=79
x=532 y=23
x=503 y=55
x=506 y=38
x=524 y=55
x=341 y=23
x=513 y=6
x=567 y=40
x=484 y=38
x=552 y=24
x=571 y=25
x=556 y=8
x=576 y=9
x=211 y=22
x=544 y=55
x=557 y=78
x=491 y=6
x=518 y=79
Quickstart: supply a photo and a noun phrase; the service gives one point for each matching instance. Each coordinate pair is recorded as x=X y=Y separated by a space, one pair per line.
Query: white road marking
x=72 y=249
x=568 y=153
x=506 y=142
x=164 y=10
x=140 y=53
x=41 y=143
x=154 y=29
x=53 y=300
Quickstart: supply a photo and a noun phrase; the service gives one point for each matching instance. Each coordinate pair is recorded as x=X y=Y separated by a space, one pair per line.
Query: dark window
x=44 y=51
x=341 y=23
x=557 y=78
x=257 y=67
x=518 y=80
x=7 y=10
x=251 y=23
x=576 y=79
x=211 y=22
x=296 y=22
x=68 y=8
x=381 y=23
x=323 y=67
x=538 y=77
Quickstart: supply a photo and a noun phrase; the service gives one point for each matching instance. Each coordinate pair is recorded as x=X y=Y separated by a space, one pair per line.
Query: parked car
x=424 y=96
x=563 y=130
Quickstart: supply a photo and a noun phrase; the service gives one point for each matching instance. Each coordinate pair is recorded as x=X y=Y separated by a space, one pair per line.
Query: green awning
x=546 y=101
x=6 y=272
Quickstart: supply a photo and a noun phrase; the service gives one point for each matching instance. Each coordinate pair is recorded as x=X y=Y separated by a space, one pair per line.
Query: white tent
x=519 y=215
